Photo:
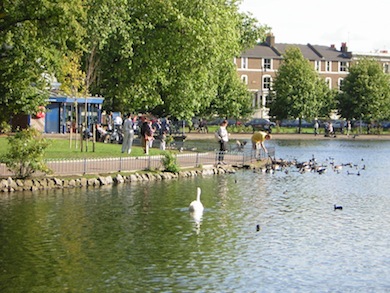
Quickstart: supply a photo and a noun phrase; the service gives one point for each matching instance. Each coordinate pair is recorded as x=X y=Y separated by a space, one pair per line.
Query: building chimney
x=344 y=47
x=270 y=40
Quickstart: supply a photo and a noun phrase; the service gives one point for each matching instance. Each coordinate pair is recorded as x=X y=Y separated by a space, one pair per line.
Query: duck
x=196 y=206
x=337 y=167
x=338 y=207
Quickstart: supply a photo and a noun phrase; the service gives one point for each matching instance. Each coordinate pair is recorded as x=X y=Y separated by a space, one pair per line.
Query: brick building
x=257 y=66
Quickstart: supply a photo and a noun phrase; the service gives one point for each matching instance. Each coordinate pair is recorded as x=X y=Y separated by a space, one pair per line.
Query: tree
x=232 y=99
x=365 y=92
x=33 y=37
x=298 y=91
x=170 y=56
x=141 y=55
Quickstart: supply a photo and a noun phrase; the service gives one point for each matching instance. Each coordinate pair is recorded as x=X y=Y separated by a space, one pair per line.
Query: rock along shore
x=11 y=185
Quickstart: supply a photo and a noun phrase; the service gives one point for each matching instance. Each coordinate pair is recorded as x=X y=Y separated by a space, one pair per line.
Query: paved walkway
x=292 y=136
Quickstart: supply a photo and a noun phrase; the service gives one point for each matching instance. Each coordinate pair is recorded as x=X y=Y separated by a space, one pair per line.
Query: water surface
x=140 y=237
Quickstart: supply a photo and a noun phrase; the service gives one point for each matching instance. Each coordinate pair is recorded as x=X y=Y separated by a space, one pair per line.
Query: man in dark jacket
x=146 y=134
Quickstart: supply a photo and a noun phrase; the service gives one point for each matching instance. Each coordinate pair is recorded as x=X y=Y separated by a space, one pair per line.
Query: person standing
x=330 y=129
x=223 y=138
x=349 y=127
x=118 y=121
x=128 y=135
x=258 y=139
x=163 y=138
x=146 y=134
x=316 y=127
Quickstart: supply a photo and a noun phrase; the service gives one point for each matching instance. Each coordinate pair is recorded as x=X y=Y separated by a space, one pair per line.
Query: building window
x=267 y=82
x=244 y=79
x=340 y=83
x=328 y=81
x=267 y=64
x=328 y=66
x=343 y=66
x=244 y=63
x=317 y=65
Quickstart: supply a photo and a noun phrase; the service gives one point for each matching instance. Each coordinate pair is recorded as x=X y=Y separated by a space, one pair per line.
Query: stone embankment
x=11 y=185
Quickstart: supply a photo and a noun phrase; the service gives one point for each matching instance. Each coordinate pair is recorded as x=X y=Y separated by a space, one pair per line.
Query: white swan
x=196 y=206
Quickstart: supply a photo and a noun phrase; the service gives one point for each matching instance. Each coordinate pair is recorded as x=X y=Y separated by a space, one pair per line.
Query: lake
x=260 y=232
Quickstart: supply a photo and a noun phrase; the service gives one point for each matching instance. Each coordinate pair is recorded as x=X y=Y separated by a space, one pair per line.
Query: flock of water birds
x=196 y=207
x=311 y=165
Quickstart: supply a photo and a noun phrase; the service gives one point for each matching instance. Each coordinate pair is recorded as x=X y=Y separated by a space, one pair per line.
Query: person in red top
x=146 y=134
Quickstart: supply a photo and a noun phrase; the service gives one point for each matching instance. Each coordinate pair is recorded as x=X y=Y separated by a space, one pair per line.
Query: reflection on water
x=142 y=238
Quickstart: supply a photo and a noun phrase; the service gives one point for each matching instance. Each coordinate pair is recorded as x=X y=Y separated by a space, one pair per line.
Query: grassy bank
x=62 y=148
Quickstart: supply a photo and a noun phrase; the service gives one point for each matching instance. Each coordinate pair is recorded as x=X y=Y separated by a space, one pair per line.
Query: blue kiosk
x=62 y=113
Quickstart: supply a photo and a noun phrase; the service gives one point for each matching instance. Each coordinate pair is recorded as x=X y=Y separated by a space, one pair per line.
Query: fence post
x=197 y=160
x=120 y=164
x=85 y=166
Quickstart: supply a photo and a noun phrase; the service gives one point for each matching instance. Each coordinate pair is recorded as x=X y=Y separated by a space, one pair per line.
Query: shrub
x=5 y=127
x=170 y=163
x=25 y=155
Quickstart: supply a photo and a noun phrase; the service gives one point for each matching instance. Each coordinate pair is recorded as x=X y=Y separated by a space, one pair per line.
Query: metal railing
x=131 y=164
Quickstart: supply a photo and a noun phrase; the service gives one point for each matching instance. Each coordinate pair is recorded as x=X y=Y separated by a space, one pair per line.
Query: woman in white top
x=223 y=137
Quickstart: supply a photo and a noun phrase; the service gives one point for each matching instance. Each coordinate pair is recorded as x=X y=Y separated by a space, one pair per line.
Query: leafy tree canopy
x=298 y=91
x=170 y=56
x=33 y=37
x=365 y=92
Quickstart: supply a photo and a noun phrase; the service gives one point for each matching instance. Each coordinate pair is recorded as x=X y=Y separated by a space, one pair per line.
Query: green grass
x=61 y=148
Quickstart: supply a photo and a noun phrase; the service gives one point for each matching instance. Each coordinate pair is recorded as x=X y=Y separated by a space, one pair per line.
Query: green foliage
x=170 y=163
x=25 y=154
x=298 y=91
x=365 y=92
x=33 y=36
x=5 y=127
x=232 y=99
x=171 y=57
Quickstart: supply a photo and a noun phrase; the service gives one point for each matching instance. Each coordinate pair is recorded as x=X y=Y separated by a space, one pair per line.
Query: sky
x=363 y=25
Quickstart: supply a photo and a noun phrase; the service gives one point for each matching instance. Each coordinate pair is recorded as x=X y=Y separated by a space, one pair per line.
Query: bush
x=25 y=155
x=5 y=127
x=170 y=163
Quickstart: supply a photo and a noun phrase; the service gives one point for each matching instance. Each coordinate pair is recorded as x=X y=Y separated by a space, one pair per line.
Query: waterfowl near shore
x=196 y=206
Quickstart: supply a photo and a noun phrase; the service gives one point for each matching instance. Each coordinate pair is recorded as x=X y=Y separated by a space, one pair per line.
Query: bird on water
x=196 y=205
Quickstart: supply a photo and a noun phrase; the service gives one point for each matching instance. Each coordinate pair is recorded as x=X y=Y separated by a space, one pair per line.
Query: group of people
x=222 y=135
x=147 y=131
x=329 y=128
